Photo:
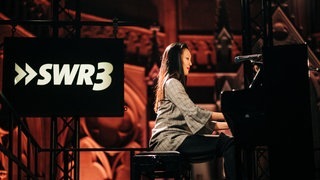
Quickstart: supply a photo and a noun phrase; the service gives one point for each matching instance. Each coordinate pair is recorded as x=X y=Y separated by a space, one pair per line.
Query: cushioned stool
x=160 y=164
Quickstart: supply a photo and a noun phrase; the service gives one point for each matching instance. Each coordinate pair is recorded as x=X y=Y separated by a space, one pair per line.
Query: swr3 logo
x=53 y=72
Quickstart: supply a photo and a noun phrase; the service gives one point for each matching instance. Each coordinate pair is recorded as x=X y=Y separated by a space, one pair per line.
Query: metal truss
x=64 y=156
x=257 y=24
x=60 y=13
x=257 y=33
x=65 y=153
x=262 y=165
x=68 y=24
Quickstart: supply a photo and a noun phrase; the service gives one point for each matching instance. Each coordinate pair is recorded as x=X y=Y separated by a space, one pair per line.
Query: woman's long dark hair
x=171 y=67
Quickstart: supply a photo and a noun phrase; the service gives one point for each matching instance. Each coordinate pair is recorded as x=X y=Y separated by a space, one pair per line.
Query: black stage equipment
x=276 y=114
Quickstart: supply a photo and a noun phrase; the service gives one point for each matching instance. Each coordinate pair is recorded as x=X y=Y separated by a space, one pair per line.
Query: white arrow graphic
x=21 y=73
x=31 y=74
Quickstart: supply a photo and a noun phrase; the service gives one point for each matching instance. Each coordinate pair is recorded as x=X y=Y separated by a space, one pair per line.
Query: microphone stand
x=257 y=79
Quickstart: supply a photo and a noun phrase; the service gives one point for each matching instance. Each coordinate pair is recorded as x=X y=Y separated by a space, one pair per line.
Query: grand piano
x=274 y=112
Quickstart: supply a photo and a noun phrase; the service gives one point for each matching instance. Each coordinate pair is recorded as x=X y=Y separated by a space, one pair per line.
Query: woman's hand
x=221 y=126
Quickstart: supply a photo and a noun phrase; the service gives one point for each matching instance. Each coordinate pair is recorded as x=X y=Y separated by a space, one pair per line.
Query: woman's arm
x=220 y=122
x=217 y=116
x=221 y=126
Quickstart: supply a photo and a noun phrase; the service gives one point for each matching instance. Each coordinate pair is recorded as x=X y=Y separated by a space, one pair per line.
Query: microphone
x=314 y=69
x=251 y=57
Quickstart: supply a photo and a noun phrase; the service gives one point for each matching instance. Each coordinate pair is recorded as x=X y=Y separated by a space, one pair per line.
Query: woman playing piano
x=180 y=124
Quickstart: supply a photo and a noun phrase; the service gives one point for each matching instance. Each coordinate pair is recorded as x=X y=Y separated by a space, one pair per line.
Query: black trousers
x=223 y=146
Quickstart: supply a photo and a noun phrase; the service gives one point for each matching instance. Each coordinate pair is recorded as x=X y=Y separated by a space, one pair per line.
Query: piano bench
x=160 y=164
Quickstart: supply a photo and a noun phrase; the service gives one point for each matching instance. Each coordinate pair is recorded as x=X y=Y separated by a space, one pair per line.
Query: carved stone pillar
x=168 y=9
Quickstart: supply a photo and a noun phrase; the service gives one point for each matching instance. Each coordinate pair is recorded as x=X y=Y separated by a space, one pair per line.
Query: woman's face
x=186 y=61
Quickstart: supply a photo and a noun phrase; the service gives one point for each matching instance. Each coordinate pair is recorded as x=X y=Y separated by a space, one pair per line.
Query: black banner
x=64 y=77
